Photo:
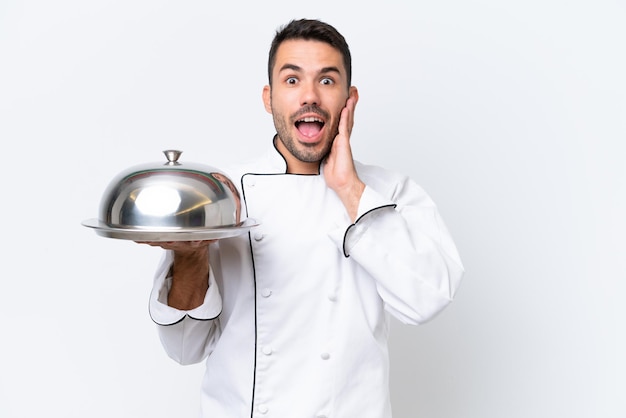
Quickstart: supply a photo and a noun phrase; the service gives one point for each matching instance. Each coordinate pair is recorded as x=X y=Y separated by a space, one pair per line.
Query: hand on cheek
x=339 y=171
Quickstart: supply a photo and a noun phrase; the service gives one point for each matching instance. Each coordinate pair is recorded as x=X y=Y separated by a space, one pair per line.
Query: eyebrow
x=297 y=68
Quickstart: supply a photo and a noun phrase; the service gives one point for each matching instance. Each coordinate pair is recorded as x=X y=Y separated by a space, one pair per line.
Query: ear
x=267 y=99
x=353 y=93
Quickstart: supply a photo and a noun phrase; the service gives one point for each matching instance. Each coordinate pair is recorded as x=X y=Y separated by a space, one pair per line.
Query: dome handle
x=172 y=156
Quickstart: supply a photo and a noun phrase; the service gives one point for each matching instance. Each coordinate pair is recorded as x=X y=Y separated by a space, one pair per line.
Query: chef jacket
x=296 y=317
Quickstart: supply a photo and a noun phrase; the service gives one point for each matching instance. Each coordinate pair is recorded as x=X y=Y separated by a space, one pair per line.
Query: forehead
x=309 y=55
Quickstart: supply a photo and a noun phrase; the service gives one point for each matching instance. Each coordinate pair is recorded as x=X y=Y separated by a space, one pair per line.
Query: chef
x=292 y=319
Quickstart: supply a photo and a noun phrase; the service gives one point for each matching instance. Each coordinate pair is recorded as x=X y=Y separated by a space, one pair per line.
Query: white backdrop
x=512 y=115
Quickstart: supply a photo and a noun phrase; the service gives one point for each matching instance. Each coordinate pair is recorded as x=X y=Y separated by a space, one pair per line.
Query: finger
x=184 y=246
x=151 y=243
x=344 y=122
x=347 y=117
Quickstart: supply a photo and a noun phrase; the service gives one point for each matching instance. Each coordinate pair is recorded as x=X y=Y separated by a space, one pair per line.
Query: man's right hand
x=190 y=272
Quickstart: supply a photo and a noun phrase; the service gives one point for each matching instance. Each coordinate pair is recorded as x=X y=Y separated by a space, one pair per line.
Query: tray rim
x=169 y=234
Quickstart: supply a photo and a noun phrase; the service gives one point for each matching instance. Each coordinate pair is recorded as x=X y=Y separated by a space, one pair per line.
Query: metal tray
x=173 y=234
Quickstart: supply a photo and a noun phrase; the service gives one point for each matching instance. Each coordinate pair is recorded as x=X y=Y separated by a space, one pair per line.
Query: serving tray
x=169 y=234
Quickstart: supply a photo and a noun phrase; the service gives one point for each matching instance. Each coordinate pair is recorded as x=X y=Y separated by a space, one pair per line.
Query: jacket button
x=258 y=236
x=266 y=293
x=267 y=350
x=263 y=409
x=332 y=297
x=325 y=356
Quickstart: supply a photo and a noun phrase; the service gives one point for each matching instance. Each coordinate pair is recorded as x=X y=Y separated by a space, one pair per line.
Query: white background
x=512 y=115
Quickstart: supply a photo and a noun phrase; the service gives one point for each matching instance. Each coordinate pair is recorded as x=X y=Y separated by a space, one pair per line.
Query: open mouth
x=310 y=126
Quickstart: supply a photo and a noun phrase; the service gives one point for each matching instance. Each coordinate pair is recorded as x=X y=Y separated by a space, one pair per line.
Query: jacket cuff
x=370 y=201
x=371 y=205
x=163 y=314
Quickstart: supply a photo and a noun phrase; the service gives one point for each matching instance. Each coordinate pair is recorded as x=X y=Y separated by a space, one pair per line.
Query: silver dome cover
x=170 y=201
x=171 y=195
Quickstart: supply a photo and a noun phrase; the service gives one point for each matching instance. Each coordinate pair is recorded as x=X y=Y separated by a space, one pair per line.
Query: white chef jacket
x=296 y=318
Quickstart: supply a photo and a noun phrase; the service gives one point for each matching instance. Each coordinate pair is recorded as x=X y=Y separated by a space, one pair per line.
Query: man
x=292 y=319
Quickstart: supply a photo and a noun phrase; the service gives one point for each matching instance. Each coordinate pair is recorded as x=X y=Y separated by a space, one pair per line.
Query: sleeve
x=400 y=239
x=186 y=336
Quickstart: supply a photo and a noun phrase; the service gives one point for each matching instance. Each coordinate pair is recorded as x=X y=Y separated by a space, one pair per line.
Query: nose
x=310 y=94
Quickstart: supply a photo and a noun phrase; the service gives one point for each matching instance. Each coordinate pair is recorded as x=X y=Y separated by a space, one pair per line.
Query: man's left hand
x=339 y=171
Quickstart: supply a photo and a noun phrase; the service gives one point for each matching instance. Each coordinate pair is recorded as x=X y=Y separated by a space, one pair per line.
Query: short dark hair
x=309 y=29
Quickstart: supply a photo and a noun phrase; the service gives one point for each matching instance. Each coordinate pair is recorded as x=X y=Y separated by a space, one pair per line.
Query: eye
x=327 y=81
x=291 y=80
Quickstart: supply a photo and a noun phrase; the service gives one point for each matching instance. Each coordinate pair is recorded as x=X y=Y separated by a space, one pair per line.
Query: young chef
x=292 y=319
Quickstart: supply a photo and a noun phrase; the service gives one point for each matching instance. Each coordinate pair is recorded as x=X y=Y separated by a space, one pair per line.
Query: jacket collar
x=276 y=162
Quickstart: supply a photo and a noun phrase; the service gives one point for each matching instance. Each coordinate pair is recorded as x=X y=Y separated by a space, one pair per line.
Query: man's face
x=309 y=90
